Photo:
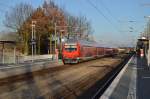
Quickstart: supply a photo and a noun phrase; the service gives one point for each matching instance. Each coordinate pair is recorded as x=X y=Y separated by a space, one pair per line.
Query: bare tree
x=17 y=16
x=79 y=27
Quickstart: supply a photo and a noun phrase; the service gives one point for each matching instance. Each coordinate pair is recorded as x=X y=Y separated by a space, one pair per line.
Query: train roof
x=88 y=43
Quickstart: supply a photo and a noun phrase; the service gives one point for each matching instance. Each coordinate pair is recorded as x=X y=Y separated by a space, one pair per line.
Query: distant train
x=75 y=51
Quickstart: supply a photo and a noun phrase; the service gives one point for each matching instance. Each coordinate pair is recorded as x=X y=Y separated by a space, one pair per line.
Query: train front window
x=70 y=48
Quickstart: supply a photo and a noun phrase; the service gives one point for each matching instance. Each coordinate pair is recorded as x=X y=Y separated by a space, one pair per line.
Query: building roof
x=7 y=41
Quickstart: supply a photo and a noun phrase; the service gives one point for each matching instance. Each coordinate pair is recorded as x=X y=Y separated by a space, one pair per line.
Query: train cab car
x=75 y=51
x=70 y=52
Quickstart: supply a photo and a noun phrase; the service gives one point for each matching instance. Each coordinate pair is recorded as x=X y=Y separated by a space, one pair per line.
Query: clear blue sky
x=118 y=12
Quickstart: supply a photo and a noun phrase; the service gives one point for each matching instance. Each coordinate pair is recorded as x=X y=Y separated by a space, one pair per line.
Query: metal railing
x=10 y=59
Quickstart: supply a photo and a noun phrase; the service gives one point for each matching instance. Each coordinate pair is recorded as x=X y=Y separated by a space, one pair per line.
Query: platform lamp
x=61 y=42
x=33 y=38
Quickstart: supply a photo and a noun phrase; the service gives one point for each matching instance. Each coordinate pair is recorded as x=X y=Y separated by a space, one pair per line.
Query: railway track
x=63 y=82
x=98 y=89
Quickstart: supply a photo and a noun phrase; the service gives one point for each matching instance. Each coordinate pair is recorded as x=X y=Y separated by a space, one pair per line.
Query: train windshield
x=70 y=48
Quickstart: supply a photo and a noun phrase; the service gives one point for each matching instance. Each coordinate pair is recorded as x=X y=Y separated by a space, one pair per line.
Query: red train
x=75 y=51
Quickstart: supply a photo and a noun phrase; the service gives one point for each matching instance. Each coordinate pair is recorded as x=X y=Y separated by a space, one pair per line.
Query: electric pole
x=55 y=37
x=33 y=38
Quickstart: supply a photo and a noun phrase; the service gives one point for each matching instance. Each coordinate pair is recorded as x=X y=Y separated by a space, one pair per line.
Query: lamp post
x=55 y=36
x=61 y=39
x=33 y=38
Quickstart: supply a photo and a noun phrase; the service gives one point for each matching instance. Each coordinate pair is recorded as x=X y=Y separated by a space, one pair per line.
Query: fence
x=9 y=58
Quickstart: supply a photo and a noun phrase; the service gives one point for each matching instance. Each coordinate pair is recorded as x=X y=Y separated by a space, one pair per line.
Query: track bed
x=64 y=82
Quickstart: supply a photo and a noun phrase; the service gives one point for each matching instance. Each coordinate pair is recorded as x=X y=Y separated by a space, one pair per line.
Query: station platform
x=133 y=82
x=10 y=70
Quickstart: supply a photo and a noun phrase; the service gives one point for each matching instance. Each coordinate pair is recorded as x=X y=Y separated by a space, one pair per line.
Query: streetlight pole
x=3 y=56
x=33 y=39
x=61 y=39
x=55 y=37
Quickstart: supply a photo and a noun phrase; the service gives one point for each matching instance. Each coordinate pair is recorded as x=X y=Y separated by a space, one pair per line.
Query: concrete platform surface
x=133 y=82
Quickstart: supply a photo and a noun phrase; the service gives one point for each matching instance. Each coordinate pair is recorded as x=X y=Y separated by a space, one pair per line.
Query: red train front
x=75 y=51
x=71 y=52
